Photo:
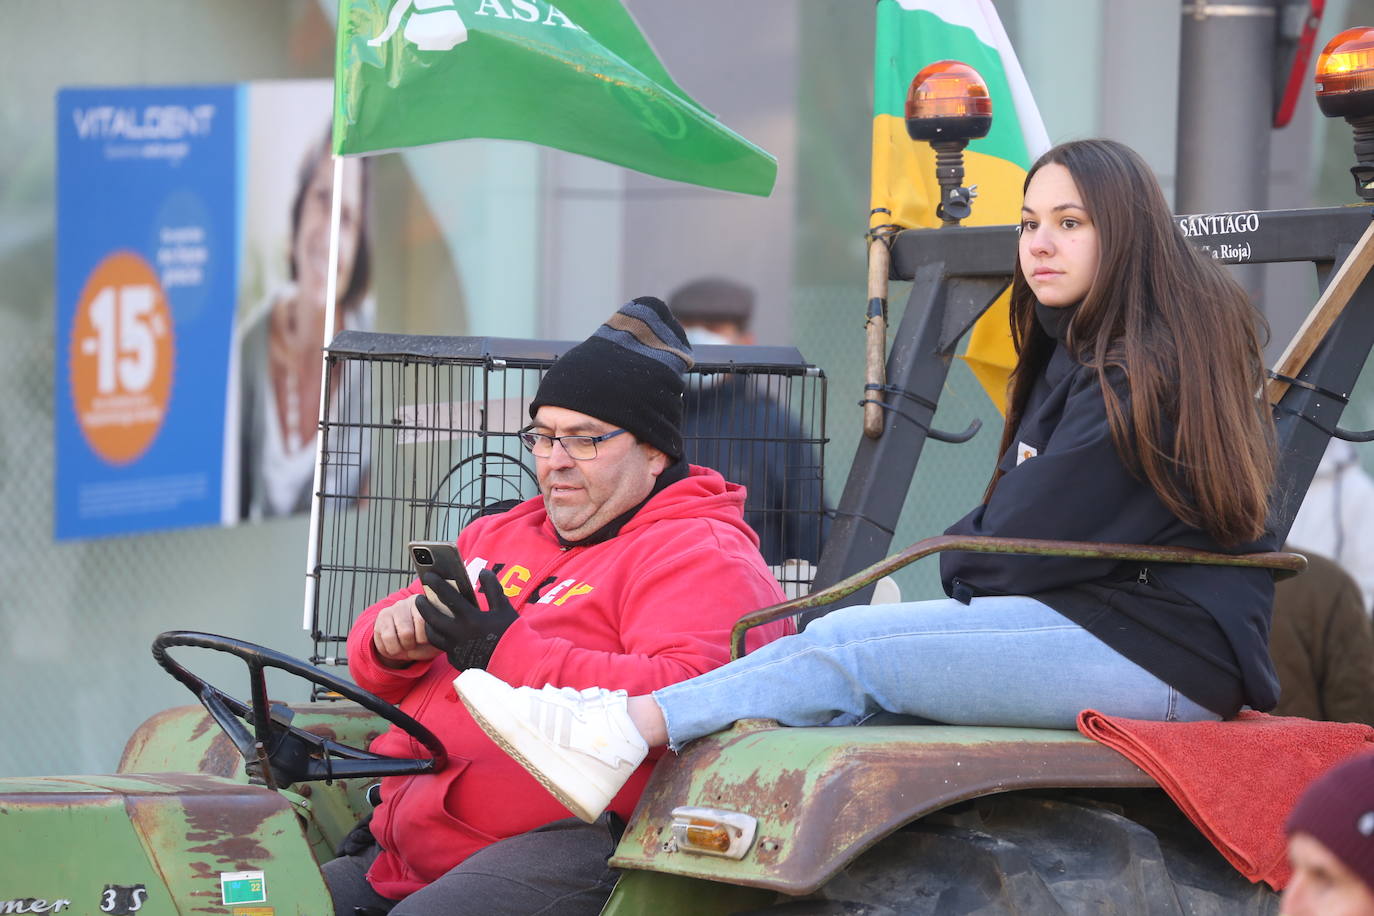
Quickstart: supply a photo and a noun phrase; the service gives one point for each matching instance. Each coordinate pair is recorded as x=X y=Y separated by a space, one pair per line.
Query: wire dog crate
x=421 y=438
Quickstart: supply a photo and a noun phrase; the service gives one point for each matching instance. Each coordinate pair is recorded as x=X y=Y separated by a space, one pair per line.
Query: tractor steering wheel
x=276 y=751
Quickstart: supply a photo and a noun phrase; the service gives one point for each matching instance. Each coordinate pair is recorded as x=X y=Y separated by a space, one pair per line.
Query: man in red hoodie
x=627 y=571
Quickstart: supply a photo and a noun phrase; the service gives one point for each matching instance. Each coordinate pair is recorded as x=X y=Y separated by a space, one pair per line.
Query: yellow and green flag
x=912 y=34
x=578 y=76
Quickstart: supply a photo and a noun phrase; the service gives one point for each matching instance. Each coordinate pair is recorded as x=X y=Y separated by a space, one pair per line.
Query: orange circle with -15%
x=121 y=357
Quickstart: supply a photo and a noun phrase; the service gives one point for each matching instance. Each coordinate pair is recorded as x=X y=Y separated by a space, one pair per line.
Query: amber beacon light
x=948 y=101
x=947 y=106
x=1345 y=89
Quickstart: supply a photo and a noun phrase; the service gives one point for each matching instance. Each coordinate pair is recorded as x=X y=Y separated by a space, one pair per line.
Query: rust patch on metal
x=672 y=779
x=204 y=724
x=858 y=789
x=221 y=758
x=767 y=849
x=339 y=722
x=188 y=738
x=229 y=832
x=776 y=800
x=871 y=790
x=221 y=821
x=217 y=831
x=814 y=820
x=138 y=742
x=223 y=826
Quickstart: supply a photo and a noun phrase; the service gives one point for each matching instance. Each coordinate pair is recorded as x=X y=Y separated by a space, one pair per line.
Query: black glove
x=466 y=634
x=359 y=840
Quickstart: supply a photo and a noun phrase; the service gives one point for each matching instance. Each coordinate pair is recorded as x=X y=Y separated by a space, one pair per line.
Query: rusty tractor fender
x=822 y=796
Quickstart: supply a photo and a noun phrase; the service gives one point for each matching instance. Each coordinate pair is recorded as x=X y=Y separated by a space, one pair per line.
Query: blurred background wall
x=483 y=237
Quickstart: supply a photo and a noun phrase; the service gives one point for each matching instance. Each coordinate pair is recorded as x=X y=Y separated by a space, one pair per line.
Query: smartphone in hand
x=443 y=558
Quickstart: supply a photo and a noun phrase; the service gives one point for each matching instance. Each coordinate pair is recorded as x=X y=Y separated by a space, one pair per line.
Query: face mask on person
x=697 y=336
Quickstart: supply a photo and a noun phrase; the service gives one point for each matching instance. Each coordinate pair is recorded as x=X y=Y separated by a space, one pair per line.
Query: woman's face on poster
x=311 y=245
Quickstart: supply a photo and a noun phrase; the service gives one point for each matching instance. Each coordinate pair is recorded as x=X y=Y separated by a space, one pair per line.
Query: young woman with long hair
x=1133 y=418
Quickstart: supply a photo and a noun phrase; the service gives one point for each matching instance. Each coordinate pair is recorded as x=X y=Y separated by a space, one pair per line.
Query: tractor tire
x=1125 y=852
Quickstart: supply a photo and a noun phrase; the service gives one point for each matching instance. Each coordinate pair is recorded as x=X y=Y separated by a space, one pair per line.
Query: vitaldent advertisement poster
x=147 y=265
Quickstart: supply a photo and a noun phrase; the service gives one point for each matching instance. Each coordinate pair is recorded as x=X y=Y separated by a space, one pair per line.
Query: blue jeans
x=997 y=661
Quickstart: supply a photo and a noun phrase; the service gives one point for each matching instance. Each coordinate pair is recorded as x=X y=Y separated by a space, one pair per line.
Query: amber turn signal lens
x=948 y=100
x=712 y=832
x=1345 y=75
x=707 y=836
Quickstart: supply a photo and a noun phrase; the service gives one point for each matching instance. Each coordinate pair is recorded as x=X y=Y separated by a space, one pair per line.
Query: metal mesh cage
x=420 y=438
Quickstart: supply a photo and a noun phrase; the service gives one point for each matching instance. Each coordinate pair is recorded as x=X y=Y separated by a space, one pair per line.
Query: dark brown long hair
x=1182 y=332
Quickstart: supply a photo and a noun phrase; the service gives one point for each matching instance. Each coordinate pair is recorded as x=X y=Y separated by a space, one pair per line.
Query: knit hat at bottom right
x=1337 y=810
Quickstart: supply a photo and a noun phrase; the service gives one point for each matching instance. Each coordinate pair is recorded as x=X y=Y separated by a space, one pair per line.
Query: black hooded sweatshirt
x=1204 y=630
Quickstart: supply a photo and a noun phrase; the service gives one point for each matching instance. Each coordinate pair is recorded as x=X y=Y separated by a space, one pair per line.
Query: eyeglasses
x=579 y=448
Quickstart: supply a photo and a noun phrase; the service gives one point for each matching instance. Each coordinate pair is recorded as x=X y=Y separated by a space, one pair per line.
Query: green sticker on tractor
x=242 y=887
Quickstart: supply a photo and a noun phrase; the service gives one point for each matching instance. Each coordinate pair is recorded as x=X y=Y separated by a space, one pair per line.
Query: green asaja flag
x=578 y=76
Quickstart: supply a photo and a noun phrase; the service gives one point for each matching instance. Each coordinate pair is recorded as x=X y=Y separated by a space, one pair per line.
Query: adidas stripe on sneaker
x=581 y=745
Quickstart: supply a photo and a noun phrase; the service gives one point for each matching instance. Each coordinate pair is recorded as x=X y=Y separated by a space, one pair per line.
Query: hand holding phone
x=453 y=620
x=442 y=558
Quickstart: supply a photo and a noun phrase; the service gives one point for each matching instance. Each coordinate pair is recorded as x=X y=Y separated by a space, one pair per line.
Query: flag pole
x=875 y=327
x=331 y=291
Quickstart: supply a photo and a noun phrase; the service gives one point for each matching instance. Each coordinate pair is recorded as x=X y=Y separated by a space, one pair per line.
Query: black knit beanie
x=1337 y=810
x=628 y=373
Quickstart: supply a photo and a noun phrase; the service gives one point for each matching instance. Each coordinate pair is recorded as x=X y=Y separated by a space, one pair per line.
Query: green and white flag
x=912 y=34
x=578 y=76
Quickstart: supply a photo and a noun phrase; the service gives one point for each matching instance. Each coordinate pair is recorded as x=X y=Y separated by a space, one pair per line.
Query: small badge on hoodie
x=1024 y=451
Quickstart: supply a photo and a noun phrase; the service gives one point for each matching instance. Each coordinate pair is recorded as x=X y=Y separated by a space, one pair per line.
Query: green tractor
x=229 y=806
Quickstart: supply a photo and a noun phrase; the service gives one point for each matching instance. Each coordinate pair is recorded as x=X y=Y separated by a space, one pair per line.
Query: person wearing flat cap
x=628 y=569
x=1331 y=843
x=782 y=473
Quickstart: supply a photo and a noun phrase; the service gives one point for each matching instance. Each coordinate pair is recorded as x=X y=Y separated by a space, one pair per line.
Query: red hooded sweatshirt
x=651 y=606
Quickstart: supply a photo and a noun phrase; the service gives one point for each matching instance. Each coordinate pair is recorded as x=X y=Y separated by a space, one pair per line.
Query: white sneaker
x=581 y=745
